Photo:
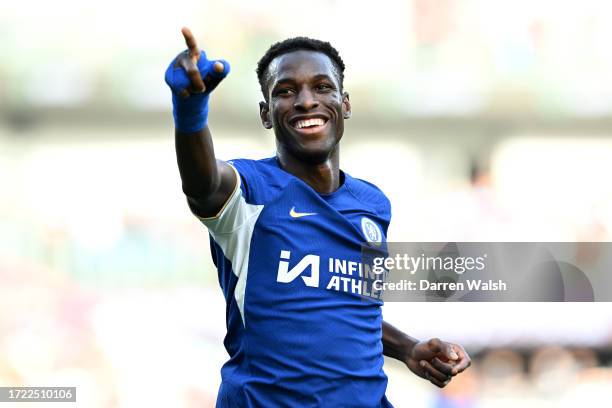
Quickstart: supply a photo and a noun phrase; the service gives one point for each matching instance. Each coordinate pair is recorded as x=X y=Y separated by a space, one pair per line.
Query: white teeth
x=309 y=122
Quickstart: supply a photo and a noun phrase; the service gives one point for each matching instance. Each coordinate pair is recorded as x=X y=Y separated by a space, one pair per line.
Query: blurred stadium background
x=482 y=120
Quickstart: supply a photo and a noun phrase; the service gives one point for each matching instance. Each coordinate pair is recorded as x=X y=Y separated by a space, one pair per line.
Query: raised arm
x=207 y=182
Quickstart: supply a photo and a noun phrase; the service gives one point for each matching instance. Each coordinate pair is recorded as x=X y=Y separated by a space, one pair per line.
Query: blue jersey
x=289 y=261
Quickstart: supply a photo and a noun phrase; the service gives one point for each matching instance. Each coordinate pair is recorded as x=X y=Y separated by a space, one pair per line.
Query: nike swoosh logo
x=295 y=214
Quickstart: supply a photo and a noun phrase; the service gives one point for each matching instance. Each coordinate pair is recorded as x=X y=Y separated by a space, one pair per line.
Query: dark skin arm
x=207 y=182
x=435 y=360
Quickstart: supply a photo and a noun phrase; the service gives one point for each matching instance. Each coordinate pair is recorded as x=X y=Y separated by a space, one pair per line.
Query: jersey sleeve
x=236 y=212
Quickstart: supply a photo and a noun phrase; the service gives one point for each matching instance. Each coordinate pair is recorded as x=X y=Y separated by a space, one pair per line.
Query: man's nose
x=305 y=101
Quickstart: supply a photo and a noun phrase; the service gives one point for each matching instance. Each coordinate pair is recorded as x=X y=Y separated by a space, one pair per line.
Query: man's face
x=306 y=106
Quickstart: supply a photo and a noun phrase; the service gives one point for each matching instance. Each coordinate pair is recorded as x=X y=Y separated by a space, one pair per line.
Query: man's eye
x=284 y=91
x=324 y=87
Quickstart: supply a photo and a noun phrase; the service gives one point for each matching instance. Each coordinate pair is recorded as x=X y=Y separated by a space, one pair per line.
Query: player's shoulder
x=260 y=180
x=254 y=166
x=369 y=193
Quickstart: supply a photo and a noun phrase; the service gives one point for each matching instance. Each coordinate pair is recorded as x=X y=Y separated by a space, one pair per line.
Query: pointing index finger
x=218 y=67
x=192 y=45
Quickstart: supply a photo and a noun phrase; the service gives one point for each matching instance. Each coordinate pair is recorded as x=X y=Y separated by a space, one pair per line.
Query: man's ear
x=264 y=113
x=346 y=105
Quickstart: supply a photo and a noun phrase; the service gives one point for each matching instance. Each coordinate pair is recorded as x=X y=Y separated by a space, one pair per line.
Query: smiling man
x=295 y=337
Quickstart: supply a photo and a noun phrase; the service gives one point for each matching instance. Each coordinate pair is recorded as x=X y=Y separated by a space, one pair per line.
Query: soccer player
x=284 y=230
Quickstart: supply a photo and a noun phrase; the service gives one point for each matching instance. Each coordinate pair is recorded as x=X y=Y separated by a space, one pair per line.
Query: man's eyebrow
x=289 y=79
x=282 y=80
x=322 y=76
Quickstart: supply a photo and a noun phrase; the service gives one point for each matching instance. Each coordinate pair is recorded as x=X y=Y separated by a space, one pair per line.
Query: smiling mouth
x=310 y=125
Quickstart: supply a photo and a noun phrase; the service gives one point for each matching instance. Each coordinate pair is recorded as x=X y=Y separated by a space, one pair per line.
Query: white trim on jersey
x=232 y=229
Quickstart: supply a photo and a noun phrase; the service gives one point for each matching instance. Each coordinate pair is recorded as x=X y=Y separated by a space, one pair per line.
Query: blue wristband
x=191 y=113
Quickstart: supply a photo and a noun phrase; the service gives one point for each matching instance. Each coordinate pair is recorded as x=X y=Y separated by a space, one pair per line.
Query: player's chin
x=314 y=152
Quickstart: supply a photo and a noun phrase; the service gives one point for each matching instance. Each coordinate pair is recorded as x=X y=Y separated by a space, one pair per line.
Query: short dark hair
x=297 y=44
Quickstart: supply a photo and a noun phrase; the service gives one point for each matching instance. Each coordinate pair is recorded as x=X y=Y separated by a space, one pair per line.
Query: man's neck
x=323 y=177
